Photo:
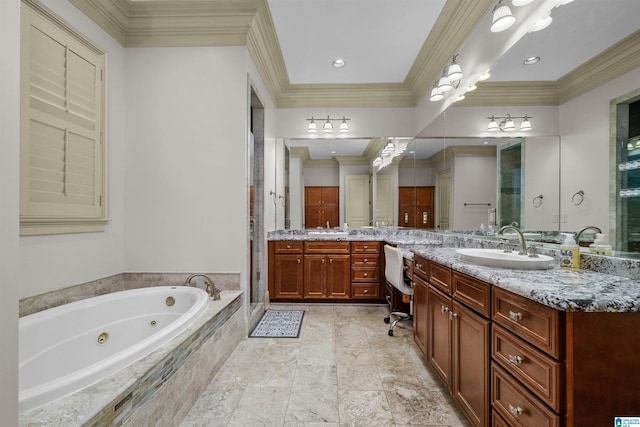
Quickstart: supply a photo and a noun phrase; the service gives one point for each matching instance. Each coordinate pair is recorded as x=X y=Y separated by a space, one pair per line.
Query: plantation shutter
x=62 y=152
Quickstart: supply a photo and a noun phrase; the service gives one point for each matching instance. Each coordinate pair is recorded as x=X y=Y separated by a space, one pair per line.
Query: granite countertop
x=615 y=288
x=564 y=290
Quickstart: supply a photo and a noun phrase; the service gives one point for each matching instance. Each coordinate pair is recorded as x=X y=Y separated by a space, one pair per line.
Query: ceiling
x=580 y=31
x=380 y=41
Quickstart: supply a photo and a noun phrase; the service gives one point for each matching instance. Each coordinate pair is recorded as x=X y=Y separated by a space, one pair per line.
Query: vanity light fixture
x=565 y=2
x=436 y=94
x=484 y=76
x=506 y=123
x=519 y=3
x=444 y=85
x=460 y=98
x=543 y=23
x=454 y=71
x=327 y=127
x=503 y=19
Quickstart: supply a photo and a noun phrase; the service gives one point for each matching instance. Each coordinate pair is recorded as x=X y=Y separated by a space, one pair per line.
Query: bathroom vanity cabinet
x=511 y=361
x=457 y=326
x=324 y=270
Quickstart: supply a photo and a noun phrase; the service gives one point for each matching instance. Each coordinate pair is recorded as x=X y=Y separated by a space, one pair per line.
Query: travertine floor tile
x=344 y=370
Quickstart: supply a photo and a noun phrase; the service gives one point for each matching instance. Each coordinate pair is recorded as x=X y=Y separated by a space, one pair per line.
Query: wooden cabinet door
x=288 y=276
x=420 y=292
x=424 y=207
x=471 y=352
x=338 y=276
x=406 y=206
x=315 y=272
x=439 y=333
x=321 y=204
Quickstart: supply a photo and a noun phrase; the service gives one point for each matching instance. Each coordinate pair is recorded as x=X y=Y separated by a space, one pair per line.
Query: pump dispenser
x=569 y=253
x=600 y=246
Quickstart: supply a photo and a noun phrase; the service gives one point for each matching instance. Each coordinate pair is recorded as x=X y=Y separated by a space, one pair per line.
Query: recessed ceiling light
x=339 y=63
x=486 y=142
x=532 y=60
x=333 y=152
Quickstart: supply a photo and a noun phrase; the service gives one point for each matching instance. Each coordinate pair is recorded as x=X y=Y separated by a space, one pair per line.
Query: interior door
x=424 y=207
x=384 y=199
x=357 y=200
x=443 y=191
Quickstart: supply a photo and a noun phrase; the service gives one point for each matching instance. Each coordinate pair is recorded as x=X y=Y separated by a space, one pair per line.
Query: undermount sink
x=499 y=258
x=328 y=233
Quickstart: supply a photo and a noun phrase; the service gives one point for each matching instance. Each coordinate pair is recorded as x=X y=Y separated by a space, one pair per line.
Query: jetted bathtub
x=69 y=347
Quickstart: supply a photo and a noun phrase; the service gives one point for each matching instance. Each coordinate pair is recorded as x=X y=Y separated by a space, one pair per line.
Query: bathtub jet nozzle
x=210 y=287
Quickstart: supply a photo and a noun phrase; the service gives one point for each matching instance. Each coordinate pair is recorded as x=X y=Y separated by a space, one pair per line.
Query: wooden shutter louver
x=62 y=157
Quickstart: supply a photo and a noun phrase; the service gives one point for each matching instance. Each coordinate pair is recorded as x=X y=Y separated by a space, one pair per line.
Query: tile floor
x=344 y=370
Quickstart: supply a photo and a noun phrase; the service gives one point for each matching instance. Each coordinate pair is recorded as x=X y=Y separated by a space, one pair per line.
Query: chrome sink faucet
x=211 y=289
x=523 y=244
x=583 y=229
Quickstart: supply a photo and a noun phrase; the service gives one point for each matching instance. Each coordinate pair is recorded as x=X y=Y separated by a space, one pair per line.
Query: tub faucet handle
x=210 y=287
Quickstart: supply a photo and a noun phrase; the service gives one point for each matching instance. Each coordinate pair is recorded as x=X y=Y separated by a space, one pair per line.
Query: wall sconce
x=506 y=124
x=327 y=127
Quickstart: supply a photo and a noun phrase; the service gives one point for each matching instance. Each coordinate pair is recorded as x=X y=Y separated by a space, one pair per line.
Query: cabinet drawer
x=474 y=293
x=408 y=267
x=535 y=323
x=498 y=421
x=361 y=290
x=440 y=277
x=421 y=267
x=327 y=247
x=538 y=372
x=359 y=260
x=516 y=405
x=365 y=274
x=288 y=247
x=365 y=247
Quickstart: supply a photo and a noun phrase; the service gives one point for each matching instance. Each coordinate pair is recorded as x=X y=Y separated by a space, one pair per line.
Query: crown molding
x=455 y=23
x=511 y=93
x=454 y=151
x=619 y=59
x=374 y=147
x=249 y=23
x=410 y=163
x=351 y=160
x=300 y=152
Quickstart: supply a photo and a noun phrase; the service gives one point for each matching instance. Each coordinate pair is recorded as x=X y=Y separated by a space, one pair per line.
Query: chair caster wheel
x=390 y=332
x=387 y=320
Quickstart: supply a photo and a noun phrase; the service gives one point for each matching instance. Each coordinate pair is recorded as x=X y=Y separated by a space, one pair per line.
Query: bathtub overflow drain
x=170 y=301
x=103 y=337
x=153 y=323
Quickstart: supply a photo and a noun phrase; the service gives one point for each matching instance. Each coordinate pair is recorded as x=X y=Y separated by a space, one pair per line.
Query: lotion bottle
x=569 y=253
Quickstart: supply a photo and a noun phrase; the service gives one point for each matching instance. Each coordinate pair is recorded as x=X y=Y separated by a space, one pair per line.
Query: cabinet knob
x=323 y=260
x=298 y=260
x=366 y=291
x=288 y=246
x=452 y=315
x=515 y=360
x=366 y=247
x=365 y=260
x=515 y=316
x=516 y=411
x=366 y=274
x=444 y=308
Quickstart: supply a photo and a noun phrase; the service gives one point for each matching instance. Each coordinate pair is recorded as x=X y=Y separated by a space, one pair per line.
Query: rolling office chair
x=394 y=273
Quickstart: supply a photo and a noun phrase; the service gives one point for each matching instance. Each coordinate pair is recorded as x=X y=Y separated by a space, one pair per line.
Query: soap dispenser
x=600 y=246
x=569 y=253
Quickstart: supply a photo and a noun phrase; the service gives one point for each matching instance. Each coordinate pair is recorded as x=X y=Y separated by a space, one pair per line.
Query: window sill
x=42 y=226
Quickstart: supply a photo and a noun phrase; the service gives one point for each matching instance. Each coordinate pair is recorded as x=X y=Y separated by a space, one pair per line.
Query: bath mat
x=279 y=324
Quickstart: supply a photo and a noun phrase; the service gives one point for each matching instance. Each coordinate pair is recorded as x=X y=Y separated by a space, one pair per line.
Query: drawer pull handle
x=444 y=308
x=516 y=411
x=515 y=316
x=515 y=360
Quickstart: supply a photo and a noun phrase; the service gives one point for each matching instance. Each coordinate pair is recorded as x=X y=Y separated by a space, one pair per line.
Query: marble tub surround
x=564 y=290
x=116 y=283
x=186 y=363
